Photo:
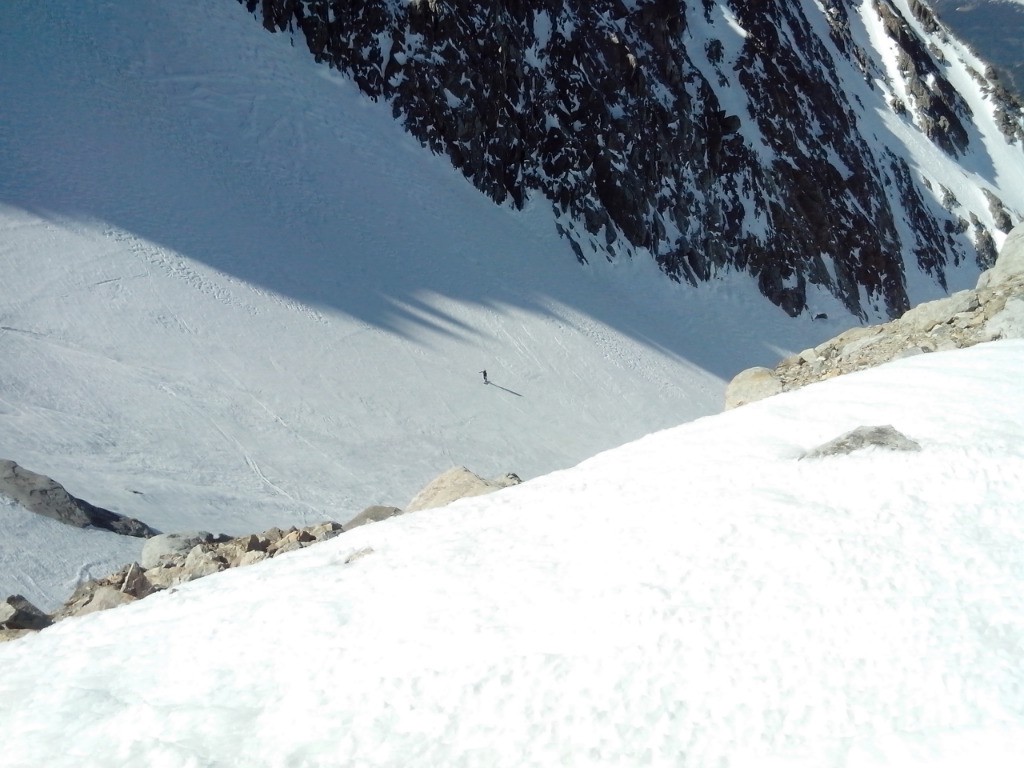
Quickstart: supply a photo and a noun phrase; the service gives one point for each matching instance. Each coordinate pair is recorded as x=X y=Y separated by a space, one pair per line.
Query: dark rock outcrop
x=18 y=613
x=44 y=496
x=741 y=153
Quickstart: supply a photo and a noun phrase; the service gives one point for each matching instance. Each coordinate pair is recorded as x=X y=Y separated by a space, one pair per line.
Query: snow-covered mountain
x=699 y=597
x=236 y=294
x=852 y=145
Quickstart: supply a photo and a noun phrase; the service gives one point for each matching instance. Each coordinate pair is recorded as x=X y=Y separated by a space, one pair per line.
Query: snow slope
x=698 y=597
x=235 y=294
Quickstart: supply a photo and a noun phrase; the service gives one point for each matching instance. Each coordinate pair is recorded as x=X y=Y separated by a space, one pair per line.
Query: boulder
x=170 y=545
x=931 y=313
x=45 y=496
x=327 y=530
x=168 y=560
x=272 y=534
x=809 y=356
x=294 y=539
x=103 y=598
x=851 y=339
x=751 y=385
x=136 y=583
x=457 y=483
x=886 y=437
x=373 y=514
x=251 y=557
x=233 y=551
x=18 y=613
x=1007 y=323
x=251 y=543
x=93 y=596
x=124 y=586
x=1010 y=264
x=284 y=545
x=166 y=576
x=202 y=562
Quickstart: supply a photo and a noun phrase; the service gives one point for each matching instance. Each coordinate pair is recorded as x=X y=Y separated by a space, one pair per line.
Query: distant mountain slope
x=994 y=29
x=851 y=145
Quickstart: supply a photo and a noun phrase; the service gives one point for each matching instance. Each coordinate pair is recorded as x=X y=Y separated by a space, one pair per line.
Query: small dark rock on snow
x=886 y=437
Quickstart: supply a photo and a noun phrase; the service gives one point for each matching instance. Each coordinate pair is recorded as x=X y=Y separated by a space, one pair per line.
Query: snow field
x=700 y=596
x=239 y=296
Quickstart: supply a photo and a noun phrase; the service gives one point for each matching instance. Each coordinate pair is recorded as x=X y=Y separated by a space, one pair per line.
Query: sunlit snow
x=235 y=294
x=699 y=597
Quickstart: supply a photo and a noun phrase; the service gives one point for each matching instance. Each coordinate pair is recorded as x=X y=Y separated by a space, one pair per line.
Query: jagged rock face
x=710 y=135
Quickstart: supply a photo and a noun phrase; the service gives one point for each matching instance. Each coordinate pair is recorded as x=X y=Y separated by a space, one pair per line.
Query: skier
x=484 y=372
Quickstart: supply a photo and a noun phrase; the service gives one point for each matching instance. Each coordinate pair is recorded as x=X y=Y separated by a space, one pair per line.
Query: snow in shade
x=238 y=295
x=701 y=596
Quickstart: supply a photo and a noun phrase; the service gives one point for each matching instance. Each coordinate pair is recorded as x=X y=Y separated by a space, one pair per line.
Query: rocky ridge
x=993 y=310
x=709 y=135
x=169 y=560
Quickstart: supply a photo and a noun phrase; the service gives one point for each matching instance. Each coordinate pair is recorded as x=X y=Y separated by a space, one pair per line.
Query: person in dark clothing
x=484 y=372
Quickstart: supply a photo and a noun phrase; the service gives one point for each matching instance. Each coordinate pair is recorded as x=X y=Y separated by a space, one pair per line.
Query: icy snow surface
x=235 y=294
x=700 y=597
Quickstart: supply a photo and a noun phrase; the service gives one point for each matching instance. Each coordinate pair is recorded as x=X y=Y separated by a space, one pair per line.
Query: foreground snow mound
x=699 y=597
